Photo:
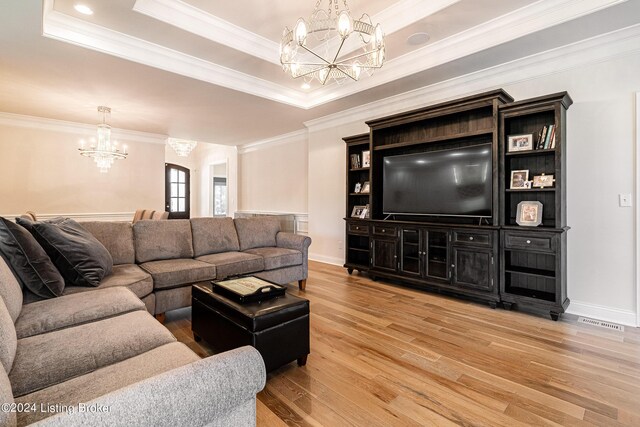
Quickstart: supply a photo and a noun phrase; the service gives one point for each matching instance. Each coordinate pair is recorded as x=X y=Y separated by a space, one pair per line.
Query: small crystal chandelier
x=105 y=151
x=182 y=147
x=313 y=48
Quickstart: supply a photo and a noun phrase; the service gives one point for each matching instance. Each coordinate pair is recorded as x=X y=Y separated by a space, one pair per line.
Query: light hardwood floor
x=384 y=355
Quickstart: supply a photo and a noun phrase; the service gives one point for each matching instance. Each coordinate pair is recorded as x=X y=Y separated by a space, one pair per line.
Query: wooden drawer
x=358 y=229
x=380 y=230
x=536 y=242
x=473 y=237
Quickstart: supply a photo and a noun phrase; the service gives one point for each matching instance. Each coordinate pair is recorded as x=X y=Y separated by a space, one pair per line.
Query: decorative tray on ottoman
x=247 y=289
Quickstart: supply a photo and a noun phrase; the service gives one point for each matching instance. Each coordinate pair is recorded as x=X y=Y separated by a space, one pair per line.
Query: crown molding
x=287 y=138
x=590 y=51
x=53 y=125
x=196 y=21
x=519 y=23
x=407 y=12
x=72 y=30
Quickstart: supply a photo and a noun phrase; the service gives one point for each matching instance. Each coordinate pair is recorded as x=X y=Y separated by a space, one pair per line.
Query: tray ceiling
x=219 y=60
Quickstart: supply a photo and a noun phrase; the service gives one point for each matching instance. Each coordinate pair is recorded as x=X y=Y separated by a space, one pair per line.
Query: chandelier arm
x=310 y=72
x=338 y=51
x=316 y=55
x=346 y=74
x=302 y=64
x=351 y=58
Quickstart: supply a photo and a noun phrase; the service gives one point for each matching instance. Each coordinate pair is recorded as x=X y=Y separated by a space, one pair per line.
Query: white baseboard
x=327 y=259
x=614 y=315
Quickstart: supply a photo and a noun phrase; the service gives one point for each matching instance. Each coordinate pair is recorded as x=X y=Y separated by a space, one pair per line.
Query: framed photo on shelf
x=520 y=143
x=357 y=211
x=542 y=181
x=366 y=159
x=365 y=212
x=519 y=179
x=365 y=188
x=529 y=214
x=357 y=188
x=355 y=161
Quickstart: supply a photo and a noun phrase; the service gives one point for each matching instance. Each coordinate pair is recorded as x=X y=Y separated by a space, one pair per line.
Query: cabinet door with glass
x=437 y=254
x=412 y=247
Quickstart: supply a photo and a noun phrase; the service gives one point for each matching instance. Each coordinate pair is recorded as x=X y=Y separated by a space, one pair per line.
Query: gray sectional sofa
x=160 y=260
x=99 y=358
x=95 y=356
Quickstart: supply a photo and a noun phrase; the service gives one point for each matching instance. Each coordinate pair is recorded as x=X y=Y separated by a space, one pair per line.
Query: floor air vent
x=601 y=324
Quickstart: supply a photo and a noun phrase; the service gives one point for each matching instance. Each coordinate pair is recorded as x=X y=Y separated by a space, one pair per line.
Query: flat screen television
x=454 y=182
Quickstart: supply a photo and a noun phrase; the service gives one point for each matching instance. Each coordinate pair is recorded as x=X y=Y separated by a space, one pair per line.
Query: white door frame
x=211 y=189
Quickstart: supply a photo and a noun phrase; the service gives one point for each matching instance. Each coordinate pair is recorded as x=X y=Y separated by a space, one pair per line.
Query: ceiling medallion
x=331 y=45
x=103 y=151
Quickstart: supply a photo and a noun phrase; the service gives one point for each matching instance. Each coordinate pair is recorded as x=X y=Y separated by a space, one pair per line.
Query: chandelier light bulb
x=356 y=70
x=345 y=24
x=378 y=36
x=301 y=32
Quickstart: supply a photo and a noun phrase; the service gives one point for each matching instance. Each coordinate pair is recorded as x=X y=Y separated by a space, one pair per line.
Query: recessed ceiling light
x=83 y=9
x=418 y=39
x=305 y=86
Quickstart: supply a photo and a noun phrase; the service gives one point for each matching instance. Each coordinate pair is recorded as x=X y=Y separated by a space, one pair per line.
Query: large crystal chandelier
x=182 y=147
x=104 y=151
x=332 y=45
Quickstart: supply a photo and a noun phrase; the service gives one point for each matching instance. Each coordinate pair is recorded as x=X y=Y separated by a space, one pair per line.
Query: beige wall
x=274 y=179
x=41 y=170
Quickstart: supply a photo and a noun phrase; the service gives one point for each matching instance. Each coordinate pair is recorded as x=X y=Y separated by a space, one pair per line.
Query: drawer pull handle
x=470 y=237
x=383 y=230
x=528 y=242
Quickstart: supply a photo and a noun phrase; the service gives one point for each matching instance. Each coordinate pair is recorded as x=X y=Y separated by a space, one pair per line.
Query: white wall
x=42 y=171
x=274 y=179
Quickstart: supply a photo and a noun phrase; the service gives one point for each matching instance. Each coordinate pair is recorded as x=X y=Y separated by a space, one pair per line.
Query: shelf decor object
x=332 y=45
x=529 y=214
x=103 y=151
x=182 y=147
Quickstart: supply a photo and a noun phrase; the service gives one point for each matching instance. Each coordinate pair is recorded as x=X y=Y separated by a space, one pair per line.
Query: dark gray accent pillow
x=79 y=256
x=28 y=261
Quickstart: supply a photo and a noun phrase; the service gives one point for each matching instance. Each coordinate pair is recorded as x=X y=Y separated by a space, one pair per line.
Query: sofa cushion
x=213 y=236
x=28 y=261
x=10 y=290
x=233 y=263
x=7 y=418
x=110 y=378
x=278 y=257
x=257 y=232
x=79 y=256
x=172 y=273
x=8 y=339
x=116 y=236
x=128 y=275
x=158 y=240
x=47 y=359
x=76 y=309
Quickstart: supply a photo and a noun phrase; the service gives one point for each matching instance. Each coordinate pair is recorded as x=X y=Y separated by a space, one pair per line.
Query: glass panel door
x=437 y=261
x=177 y=197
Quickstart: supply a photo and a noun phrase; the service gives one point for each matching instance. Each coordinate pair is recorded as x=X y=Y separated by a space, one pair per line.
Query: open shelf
x=530 y=271
x=530 y=152
x=529 y=190
x=358 y=169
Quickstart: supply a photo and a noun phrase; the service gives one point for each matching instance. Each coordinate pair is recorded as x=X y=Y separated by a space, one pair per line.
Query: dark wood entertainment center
x=492 y=259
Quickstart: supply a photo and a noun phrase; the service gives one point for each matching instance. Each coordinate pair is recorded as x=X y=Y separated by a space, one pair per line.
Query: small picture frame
x=357 y=211
x=365 y=212
x=520 y=143
x=355 y=161
x=357 y=188
x=529 y=214
x=519 y=179
x=366 y=188
x=542 y=181
x=366 y=159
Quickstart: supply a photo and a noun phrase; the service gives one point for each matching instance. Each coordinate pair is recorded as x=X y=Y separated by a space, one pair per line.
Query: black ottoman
x=278 y=328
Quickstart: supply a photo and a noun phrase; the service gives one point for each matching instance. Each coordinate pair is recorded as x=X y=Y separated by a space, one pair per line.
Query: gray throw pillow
x=79 y=256
x=28 y=261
